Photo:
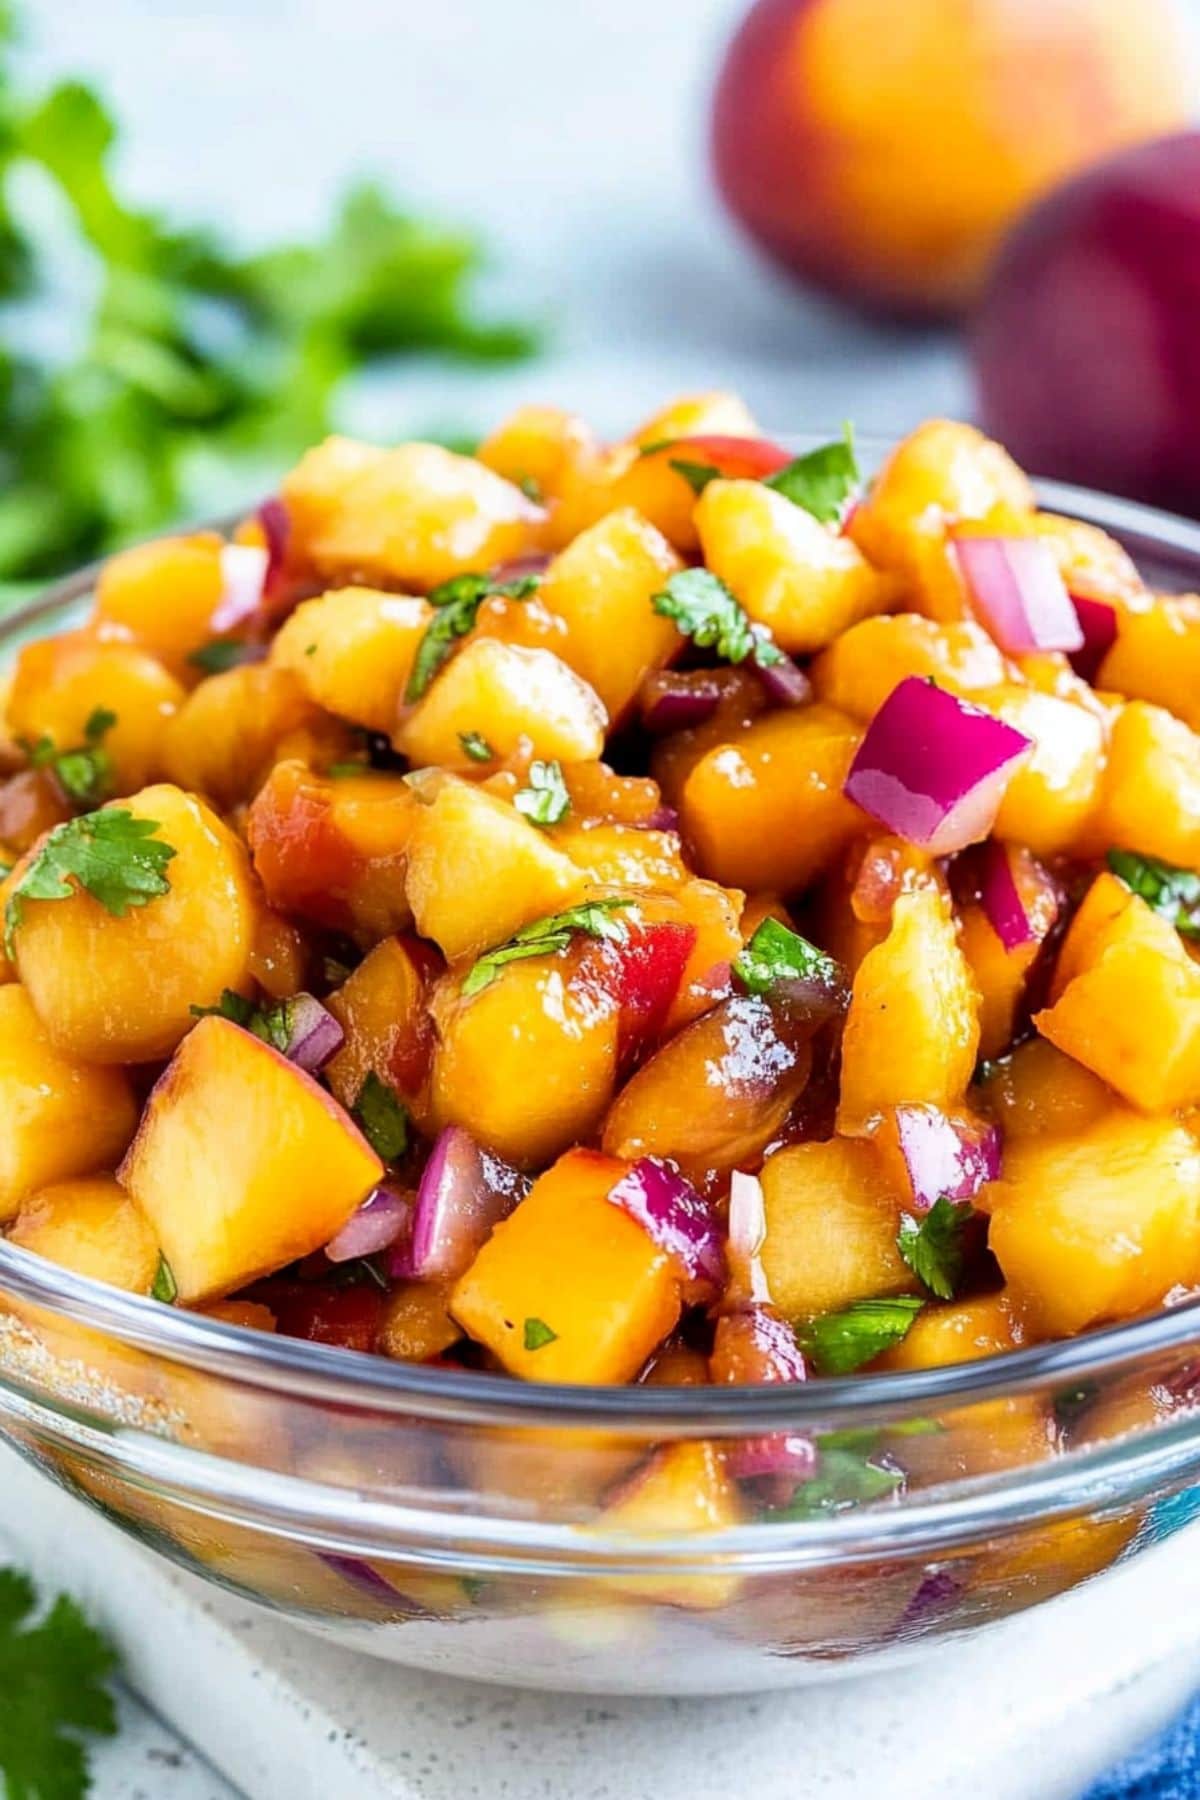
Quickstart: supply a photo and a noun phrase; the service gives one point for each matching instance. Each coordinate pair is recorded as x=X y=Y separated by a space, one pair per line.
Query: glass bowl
x=458 y=1522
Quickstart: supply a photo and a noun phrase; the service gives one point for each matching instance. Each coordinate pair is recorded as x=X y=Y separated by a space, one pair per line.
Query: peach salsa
x=659 y=912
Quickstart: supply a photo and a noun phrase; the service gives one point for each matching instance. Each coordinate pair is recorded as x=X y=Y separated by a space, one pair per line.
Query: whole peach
x=879 y=148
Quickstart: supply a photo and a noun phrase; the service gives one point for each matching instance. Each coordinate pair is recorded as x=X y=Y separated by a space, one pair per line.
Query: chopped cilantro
x=382 y=1117
x=165 y=1288
x=1069 y=1404
x=273 y=1024
x=347 y=771
x=476 y=746
x=310 y=649
x=223 y=654
x=845 y=1478
x=933 y=1247
x=538 y=1334
x=52 y=1675
x=696 y=474
x=1174 y=893
x=546 y=800
x=822 y=480
x=706 y=611
x=776 y=954
x=531 y=487
x=112 y=853
x=547 y=937
x=84 y=774
x=842 y=1341
x=457 y=604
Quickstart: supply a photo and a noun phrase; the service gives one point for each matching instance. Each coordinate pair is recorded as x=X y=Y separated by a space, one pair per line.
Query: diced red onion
x=383 y=1216
x=361 y=1575
x=1019 y=593
x=1001 y=899
x=277 y=530
x=314 y=1035
x=534 y=562
x=785 y=682
x=938 y=1589
x=672 y=1213
x=663 y=818
x=1098 y=622
x=243 y=582
x=933 y=768
x=753 y=1345
x=747 y=1285
x=465 y=1192
x=945 y=1156
x=672 y=701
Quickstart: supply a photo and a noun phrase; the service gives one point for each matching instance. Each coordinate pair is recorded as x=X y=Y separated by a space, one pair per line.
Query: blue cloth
x=1167 y=1768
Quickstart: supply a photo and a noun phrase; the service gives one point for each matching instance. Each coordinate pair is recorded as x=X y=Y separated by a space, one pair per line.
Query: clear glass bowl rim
x=349 y=1378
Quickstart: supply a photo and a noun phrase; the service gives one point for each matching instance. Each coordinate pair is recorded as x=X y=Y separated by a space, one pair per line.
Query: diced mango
x=766 y=810
x=536 y=445
x=92 y=1227
x=416 y=1324
x=225 y=736
x=278 y=956
x=805 y=582
x=1099 y=922
x=1091 y=563
x=31 y=802
x=514 y=697
x=162 y=595
x=242 y=1163
x=353 y=650
x=409 y=517
x=833 y=1215
x=61 y=682
x=603 y=584
x=381 y=1006
x=1156 y=657
x=912 y=1032
x=1150 y=800
x=114 y=990
x=1055 y=791
x=1039 y=1092
x=859 y=671
x=716 y=412
x=599 y=794
x=478 y=871
x=569 y=1287
x=684 y=1490
x=624 y=855
x=62 y=1117
x=1098 y=1227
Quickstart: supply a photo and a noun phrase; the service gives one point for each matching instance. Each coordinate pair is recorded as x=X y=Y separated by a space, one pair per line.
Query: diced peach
x=684 y=1490
x=335 y=850
x=225 y=736
x=714 y=413
x=92 y=1227
x=278 y=956
x=603 y=584
x=1055 y=791
x=912 y=1032
x=597 y=793
x=741 y=700
x=537 y=444
x=527 y=622
x=805 y=582
x=62 y=1117
x=1091 y=563
x=353 y=650
x=529 y=1064
x=859 y=670
x=114 y=990
x=1156 y=657
x=162 y=595
x=249 y=1315
x=1099 y=921
x=956 y=1331
x=713 y=914
x=416 y=1324
x=31 y=802
x=513 y=696
x=623 y=855
x=478 y=871
x=1039 y=1092
x=1098 y=1227
x=409 y=517
x=61 y=682
x=1150 y=801
x=242 y=1163
x=767 y=809
x=382 y=1008
x=833 y=1215
x=570 y=1263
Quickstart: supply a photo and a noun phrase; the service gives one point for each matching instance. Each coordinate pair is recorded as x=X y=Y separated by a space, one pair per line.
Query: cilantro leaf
x=777 y=955
x=457 y=602
x=221 y=655
x=231 y=1006
x=546 y=800
x=705 y=610
x=112 y=854
x=476 y=746
x=933 y=1248
x=842 y=1341
x=538 y=1334
x=822 y=480
x=84 y=774
x=696 y=474
x=52 y=1675
x=1174 y=893
x=382 y=1117
x=165 y=1287
x=845 y=1478
x=547 y=937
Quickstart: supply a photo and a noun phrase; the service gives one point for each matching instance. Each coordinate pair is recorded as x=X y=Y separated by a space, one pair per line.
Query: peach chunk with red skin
x=242 y=1163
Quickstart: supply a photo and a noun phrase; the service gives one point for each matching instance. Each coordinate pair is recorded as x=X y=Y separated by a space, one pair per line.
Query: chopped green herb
x=845 y=1478
x=273 y=1024
x=222 y=654
x=310 y=650
x=842 y=1341
x=476 y=746
x=546 y=800
x=383 y=1118
x=1070 y=1403
x=164 y=1288
x=706 y=611
x=99 y=722
x=112 y=853
x=776 y=954
x=457 y=602
x=933 y=1247
x=1174 y=893
x=229 y=1006
x=696 y=474
x=53 y=1676
x=538 y=1334
x=472 y=1586
x=531 y=487
x=347 y=771
x=822 y=480
x=84 y=774
x=547 y=937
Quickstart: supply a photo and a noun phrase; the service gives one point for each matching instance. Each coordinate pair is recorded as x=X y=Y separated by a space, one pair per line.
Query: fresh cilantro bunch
x=53 y=1675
